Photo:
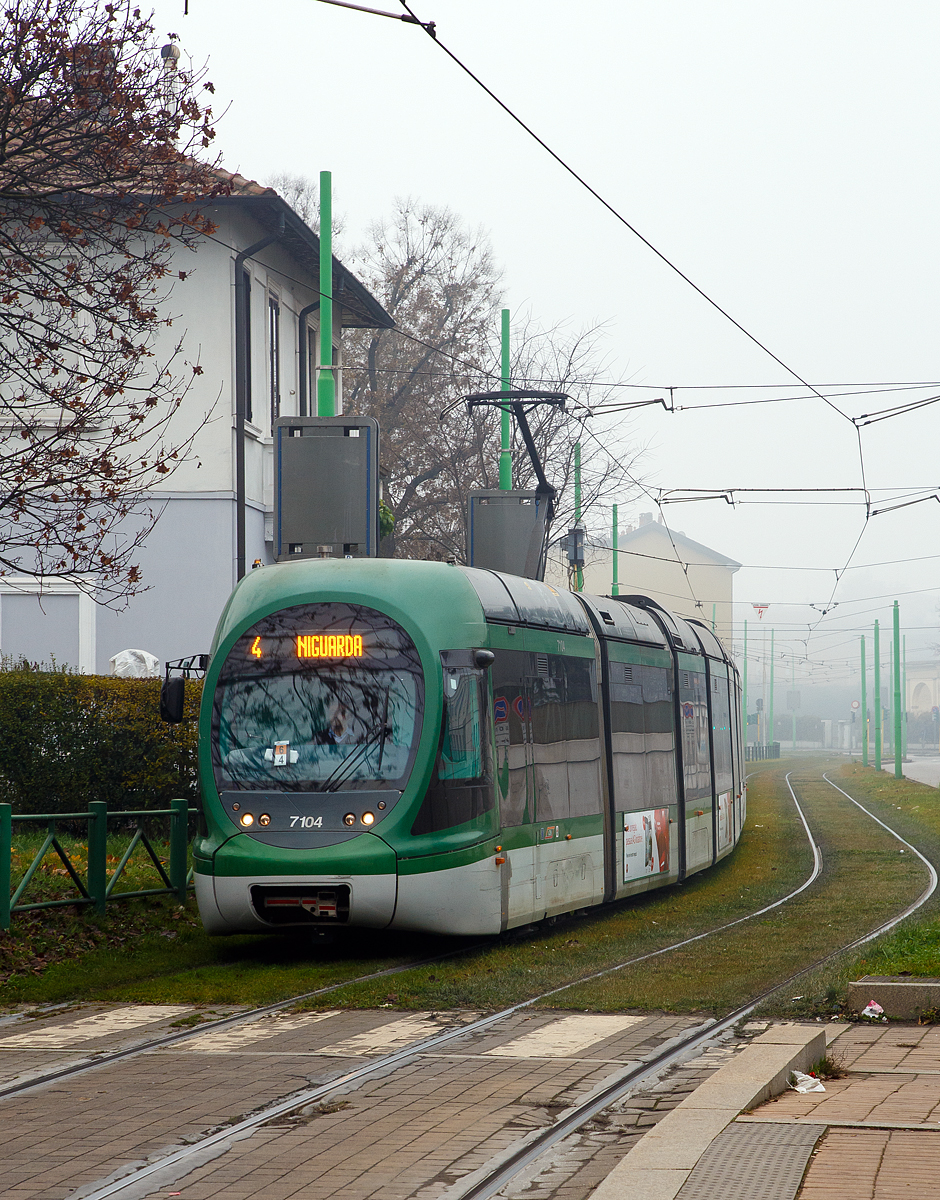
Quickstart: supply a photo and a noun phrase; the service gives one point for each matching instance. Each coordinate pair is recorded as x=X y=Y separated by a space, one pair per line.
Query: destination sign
x=329 y=645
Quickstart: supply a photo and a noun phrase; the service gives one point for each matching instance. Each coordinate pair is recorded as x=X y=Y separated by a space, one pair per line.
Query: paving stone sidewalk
x=421 y=1127
x=883 y=1117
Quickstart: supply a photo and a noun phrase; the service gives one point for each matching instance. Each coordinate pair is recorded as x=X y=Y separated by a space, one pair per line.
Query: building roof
x=679 y=540
x=359 y=308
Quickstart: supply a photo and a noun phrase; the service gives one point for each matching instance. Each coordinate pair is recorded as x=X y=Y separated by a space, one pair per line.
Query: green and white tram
x=414 y=745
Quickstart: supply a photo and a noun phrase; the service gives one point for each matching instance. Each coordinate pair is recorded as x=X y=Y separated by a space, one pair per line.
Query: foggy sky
x=783 y=155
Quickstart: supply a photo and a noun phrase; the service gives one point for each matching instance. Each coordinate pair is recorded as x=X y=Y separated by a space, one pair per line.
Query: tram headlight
x=367 y=818
x=349 y=819
x=264 y=819
x=246 y=819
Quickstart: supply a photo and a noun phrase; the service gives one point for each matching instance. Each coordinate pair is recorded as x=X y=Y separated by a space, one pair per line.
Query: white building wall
x=188 y=561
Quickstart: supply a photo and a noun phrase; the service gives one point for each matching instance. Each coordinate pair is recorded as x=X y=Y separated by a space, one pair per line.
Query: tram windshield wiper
x=377 y=734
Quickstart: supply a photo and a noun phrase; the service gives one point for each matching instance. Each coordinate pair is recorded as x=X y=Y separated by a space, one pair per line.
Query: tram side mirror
x=172 y=699
x=484 y=659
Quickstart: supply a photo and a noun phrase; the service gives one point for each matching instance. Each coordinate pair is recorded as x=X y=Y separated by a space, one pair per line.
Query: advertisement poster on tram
x=645 y=843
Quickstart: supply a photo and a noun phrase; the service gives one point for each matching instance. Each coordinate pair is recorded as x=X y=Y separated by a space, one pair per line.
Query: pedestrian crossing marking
x=565 y=1037
x=388 y=1037
x=102 y=1024
x=227 y=1041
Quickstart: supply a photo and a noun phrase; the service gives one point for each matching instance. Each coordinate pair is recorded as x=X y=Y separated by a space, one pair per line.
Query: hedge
x=66 y=739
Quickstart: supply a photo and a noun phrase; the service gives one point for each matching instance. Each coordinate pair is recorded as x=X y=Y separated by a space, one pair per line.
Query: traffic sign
x=855 y=704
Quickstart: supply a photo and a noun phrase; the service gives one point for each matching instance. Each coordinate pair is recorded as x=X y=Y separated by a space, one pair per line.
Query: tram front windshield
x=320 y=697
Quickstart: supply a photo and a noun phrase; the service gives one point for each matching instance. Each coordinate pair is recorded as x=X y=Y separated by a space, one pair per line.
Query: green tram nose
x=350 y=880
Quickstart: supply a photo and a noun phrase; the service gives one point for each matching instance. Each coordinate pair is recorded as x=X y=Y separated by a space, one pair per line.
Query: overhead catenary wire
x=566 y=166
x=477 y=369
x=667 y=261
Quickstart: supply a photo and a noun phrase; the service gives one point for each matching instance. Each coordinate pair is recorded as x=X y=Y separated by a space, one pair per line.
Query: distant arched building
x=923 y=686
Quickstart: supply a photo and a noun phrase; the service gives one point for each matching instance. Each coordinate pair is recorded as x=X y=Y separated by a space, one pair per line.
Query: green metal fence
x=96 y=888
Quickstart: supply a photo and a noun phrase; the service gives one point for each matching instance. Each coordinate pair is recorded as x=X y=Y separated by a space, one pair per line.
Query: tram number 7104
x=306 y=822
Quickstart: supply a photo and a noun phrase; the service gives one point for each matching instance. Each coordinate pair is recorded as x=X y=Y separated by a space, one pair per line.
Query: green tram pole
x=877 y=700
x=898 y=748
x=615 y=559
x=793 y=689
x=904 y=695
x=864 y=708
x=326 y=382
x=505 y=453
x=579 y=586
x=744 y=684
x=770 y=715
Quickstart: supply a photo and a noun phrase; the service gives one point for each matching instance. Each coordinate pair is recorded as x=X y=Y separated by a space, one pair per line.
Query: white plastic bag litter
x=873 y=1011
x=805 y=1083
x=135 y=664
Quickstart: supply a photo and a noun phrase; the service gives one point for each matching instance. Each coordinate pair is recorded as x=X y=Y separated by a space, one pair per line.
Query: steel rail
x=514 y=1162
x=931 y=888
x=387 y=1063
x=255 y=1014
x=243 y=1018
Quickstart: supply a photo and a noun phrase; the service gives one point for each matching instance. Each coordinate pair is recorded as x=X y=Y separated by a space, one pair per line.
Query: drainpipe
x=302 y=349
x=241 y=391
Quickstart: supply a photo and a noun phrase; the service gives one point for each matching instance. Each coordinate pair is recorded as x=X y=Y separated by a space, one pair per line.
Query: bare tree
x=303 y=195
x=439 y=281
x=100 y=181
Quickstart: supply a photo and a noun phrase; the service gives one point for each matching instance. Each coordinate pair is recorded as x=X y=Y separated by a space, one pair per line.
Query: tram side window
x=565 y=737
x=462 y=742
x=548 y=689
x=721 y=734
x=462 y=784
x=643 y=736
x=582 y=726
x=693 y=698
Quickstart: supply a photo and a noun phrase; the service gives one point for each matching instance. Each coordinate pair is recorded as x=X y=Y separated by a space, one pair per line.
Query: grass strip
x=164 y=956
x=772 y=859
x=913 y=809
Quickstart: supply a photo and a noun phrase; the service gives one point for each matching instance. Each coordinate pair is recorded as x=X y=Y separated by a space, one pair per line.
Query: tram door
x=696 y=766
x=515 y=780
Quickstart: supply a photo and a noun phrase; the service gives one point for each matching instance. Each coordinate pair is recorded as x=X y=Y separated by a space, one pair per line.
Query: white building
x=189 y=561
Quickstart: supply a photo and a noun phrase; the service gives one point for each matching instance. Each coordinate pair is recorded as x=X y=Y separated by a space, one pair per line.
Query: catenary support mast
x=326 y=382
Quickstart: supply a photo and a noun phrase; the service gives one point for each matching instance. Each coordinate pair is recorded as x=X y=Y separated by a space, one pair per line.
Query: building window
x=247 y=281
x=274 y=355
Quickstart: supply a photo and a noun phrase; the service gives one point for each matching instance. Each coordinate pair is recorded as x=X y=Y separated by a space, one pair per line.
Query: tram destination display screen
x=318 y=697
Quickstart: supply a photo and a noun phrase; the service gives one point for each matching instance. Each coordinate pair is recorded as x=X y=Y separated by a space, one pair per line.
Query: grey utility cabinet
x=505 y=531
x=326 y=480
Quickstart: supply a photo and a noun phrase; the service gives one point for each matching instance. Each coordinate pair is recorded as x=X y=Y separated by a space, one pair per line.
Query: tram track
x=170 y=1039
x=109 y=1058
x=487 y=1182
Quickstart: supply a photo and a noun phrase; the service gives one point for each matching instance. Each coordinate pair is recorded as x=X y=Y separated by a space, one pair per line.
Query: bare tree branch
x=99 y=186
